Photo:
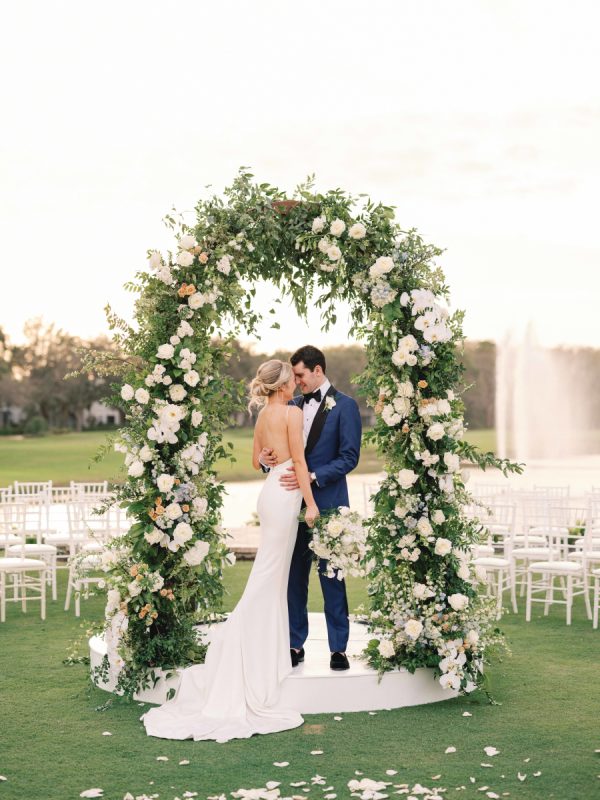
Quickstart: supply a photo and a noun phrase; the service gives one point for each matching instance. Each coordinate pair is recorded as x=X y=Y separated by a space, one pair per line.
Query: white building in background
x=96 y=414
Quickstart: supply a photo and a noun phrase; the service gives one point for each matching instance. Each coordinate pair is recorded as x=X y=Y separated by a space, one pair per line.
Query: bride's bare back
x=272 y=429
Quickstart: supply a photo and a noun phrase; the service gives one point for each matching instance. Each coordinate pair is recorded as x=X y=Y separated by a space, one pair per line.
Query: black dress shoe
x=339 y=661
x=297 y=656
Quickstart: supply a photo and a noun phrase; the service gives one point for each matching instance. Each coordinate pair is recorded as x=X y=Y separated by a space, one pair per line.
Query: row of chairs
x=43 y=527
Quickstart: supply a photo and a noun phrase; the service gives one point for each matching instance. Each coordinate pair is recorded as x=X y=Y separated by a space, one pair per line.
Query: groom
x=332 y=429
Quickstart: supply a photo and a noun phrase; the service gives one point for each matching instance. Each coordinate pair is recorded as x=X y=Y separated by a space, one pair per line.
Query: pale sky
x=479 y=120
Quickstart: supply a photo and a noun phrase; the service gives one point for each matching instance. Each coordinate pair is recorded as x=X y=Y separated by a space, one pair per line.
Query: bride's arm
x=257 y=445
x=296 y=443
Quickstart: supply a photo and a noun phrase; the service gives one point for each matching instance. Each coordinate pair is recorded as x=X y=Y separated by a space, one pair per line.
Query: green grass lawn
x=52 y=745
x=66 y=457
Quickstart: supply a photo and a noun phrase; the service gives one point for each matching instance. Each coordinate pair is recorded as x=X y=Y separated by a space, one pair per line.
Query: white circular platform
x=313 y=688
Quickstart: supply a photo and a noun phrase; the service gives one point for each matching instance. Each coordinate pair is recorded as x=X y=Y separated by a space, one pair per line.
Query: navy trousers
x=334 y=594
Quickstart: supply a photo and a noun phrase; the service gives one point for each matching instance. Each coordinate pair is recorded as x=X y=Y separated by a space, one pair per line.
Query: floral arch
x=164 y=575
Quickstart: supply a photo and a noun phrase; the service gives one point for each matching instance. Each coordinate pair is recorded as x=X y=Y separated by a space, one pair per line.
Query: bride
x=235 y=693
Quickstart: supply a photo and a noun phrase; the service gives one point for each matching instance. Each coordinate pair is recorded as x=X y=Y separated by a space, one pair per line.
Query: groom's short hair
x=311 y=356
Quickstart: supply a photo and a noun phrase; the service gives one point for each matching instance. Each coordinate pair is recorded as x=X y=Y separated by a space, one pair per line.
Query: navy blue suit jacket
x=333 y=448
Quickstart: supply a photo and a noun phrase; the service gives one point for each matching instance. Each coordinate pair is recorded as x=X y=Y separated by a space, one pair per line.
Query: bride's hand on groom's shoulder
x=289 y=480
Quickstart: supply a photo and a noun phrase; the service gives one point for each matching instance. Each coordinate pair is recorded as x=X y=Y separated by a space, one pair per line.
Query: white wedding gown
x=235 y=693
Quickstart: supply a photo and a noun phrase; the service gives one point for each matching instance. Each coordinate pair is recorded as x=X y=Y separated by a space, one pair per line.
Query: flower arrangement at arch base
x=165 y=574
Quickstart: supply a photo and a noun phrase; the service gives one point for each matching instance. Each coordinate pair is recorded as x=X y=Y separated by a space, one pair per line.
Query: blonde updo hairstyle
x=270 y=376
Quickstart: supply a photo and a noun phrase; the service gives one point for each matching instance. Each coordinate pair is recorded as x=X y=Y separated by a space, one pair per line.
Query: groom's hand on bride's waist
x=289 y=480
x=268 y=457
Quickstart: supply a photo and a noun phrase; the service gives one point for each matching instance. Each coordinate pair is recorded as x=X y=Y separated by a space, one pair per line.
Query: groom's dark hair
x=311 y=356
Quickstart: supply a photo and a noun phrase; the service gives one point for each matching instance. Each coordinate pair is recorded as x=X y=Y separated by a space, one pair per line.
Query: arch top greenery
x=164 y=575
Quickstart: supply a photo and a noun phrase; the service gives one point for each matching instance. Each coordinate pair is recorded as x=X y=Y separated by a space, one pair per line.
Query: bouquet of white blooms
x=341 y=538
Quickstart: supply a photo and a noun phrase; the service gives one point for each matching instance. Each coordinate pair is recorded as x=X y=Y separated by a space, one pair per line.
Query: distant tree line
x=32 y=378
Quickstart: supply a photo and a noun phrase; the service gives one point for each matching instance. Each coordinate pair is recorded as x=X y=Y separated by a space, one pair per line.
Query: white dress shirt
x=309 y=410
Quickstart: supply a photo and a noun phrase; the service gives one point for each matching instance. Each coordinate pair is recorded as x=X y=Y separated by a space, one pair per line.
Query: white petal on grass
x=492 y=795
x=298 y=783
x=272 y=784
x=339 y=719
x=536 y=774
x=106 y=733
x=483 y=788
x=358 y=772
x=391 y=772
x=330 y=796
x=450 y=750
x=372 y=713
x=472 y=779
x=183 y=762
x=316 y=752
x=128 y=796
x=435 y=777
x=162 y=758
x=3 y=778
x=526 y=760
x=281 y=763
x=521 y=777
x=483 y=764
x=92 y=793
x=317 y=780
x=467 y=714
x=490 y=751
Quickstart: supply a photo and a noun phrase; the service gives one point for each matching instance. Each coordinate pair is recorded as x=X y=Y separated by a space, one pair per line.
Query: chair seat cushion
x=64 y=538
x=9 y=539
x=554 y=566
x=492 y=561
x=32 y=548
x=531 y=552
x=16 y=564
x=596 y=572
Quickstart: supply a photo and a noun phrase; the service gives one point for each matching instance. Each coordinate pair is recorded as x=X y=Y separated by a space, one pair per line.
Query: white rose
x=436 y=431
x=386 y=648
x=334 y=253
x=196 y=418
x=357 y=231
x=173 y=511
x=452 y=462
x=167 y=380
x=191 y=377
x=154 y=537
x=400 y=357
x=177 y=392
x=146 y=453
x=382 y=266
x=196 y=300
x=197 y=553
x=142 y=396
x=164 y=275
x=318 y=224
x=406 y=478
x=200 y=505
x=406 y=389
x=324 y=245
x=400 y=511
x=134 y=588
x=174 y=339
x=413 y=629
x=165 y=482
x=113 y=600
x=424 y=526
x=335 y=527
x=182 y=533
x=224 y=265
x=472 y=637
x=155 y=260
x=463 y=572
x=443 y=407
x=438 y=516
x=185 y=329
x=337 y=227
x=442 y=547
x=165 y=351
x=149 y=380
x=421 y=591
x=127 y=392
x=458 y=601
x=185 y=259
x=136 y=469
x=187 y=241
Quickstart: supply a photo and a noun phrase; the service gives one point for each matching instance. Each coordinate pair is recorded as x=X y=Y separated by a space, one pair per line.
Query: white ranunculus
x=196 y=418
x=187 y=241
x=196 y=300
x=335 y=527
x=165 y=351
x=142 y=396
x=185 y=258
x=318 y=224
x=458 y=601
x=334 y=253
x=191 y=377
x=127 y=392
x=196 y=553
x=155 y=260
x=182 y=533
x=406 y=389
x=438 y=516
x=200 y=505
x=224 y=265
x=436 y=431
x=173 y=511
x=165 y=482
x=167 y=380
x=146 y=453
x=154 y=536
x=134 y=588
x=442 y=547
x=386 y=648
x=382 y=266
x=357 y=231
x=400 y=511
x=177 y=393
x=337 y=227
x=413 y=629
x=407 y=478
x=424 y=526
x=400 y=357
x=136 y=469
x=443 y=407
x=422 y=592
x=452 y=462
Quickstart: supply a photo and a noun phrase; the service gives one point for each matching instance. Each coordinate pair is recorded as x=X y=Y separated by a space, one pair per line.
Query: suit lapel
x=318 y=422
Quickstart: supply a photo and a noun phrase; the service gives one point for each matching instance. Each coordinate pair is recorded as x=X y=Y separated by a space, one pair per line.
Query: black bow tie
x=313 y=396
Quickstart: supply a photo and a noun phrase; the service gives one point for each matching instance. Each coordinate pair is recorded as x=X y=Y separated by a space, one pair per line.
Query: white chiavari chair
x=14 y=535
x=28 y=576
